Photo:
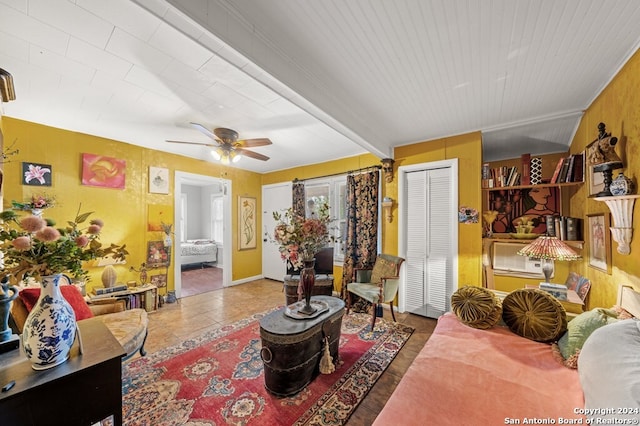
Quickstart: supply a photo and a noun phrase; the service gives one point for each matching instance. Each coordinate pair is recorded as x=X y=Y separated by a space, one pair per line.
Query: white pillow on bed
x=609 y=369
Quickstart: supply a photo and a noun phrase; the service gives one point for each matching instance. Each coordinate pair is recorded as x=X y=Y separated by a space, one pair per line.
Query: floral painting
x=107 y=172
x=36 y=174
x=158 y=254
x=247 y=217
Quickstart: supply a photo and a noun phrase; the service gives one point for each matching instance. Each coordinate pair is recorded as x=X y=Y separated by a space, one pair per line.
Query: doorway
x=199 y=192
x=276 y=197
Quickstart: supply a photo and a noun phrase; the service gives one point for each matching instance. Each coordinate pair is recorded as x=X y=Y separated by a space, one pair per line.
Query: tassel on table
x=326 y=362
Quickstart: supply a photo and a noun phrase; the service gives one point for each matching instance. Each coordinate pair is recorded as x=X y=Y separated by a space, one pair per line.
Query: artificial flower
x=33 y=247
x=301 y=238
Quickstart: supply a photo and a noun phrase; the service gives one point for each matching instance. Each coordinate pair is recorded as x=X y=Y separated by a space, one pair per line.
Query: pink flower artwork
x=98 y=170
x=36 y=174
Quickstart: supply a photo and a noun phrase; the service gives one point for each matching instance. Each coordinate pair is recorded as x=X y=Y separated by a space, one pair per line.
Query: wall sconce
x=387 y=168
x=387 y=204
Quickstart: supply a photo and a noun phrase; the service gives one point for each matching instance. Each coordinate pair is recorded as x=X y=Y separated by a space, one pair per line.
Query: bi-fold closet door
x=429 y=241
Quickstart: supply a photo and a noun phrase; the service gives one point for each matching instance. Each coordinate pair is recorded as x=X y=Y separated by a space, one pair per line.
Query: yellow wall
x=123 y=211
x=618 y=106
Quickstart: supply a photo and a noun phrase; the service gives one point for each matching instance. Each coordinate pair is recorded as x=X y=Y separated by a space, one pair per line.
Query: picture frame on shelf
x=599 y=239
x=596 y=182
x=159 y=280
x=247 y=223
x=533 y=203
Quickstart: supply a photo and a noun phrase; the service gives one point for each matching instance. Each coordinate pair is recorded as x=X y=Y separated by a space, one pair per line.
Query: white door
x=429 y=239
x=276 y=197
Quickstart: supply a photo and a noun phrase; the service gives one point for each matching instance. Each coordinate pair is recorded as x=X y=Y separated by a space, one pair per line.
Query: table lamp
x=548 y=249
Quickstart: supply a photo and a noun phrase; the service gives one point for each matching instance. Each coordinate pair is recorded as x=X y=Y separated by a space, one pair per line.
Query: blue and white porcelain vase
x=50 y=328
x=622 y=185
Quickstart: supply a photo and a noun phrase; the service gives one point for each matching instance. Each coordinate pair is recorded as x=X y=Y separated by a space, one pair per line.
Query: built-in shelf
x=541 y=185
x=621 y=207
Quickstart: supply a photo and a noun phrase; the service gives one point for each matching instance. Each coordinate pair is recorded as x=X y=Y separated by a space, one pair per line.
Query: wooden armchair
x=377 y=285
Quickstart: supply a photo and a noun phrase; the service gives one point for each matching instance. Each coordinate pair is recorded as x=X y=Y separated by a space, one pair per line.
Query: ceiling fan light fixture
x=235 y=157
x=215 y=154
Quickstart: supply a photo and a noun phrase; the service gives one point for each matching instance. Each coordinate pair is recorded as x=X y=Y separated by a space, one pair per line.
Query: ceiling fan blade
x=251 y=154
x=193 y=143
x=250 y=143
x=204 y=130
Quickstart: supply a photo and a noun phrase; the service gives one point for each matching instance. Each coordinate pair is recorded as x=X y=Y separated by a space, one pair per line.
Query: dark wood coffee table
x=292 y=348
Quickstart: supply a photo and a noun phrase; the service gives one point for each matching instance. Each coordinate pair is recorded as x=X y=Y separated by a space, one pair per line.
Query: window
x=217 y=218
x=333 y=192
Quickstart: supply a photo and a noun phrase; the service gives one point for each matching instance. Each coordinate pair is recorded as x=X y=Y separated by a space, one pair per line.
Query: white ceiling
x=323 y=79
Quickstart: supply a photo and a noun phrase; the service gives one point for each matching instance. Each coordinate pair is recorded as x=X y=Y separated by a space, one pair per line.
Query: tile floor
x=193 y=315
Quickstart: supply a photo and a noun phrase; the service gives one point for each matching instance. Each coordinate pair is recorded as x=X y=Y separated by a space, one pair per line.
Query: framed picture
x=34 y=174
x=159 y=280
x=596 y=182
x=158 y=180
x=513 y=205
x=106 y=172
x=247 y=223
x=599 y=238
x=158 y=254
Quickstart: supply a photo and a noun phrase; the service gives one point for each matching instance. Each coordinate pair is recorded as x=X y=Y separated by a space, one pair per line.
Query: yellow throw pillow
x=476 y=307
x=534 y=314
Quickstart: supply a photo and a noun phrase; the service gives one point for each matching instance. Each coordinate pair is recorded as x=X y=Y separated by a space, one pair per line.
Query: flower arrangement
x=37 y=202
x=33 y=247
x=301 y=238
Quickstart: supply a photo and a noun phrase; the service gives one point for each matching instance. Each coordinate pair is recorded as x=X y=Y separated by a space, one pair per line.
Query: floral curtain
x=361 y=246
x=297 y=191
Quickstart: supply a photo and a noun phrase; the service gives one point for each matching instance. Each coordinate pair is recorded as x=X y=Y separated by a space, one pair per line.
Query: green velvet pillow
x=383 y=268
x=476 y=307
x=580 y=328
x=534 y=314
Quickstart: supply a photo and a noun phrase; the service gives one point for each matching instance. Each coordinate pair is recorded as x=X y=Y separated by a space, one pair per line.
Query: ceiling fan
x=228 y=147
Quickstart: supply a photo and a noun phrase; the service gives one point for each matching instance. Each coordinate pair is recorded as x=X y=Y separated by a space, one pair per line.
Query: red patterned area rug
x=218 y=379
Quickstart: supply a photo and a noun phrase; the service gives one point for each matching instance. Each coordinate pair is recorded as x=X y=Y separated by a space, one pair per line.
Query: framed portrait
x=158 y=180
x=599 y=238
x=35 y=174
x=596 y=182
x=159 y=280
x=157 y=254
x=247 y=223
x=530 y=204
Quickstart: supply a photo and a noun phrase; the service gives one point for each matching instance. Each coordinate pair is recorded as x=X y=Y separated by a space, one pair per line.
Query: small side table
x=82 y=391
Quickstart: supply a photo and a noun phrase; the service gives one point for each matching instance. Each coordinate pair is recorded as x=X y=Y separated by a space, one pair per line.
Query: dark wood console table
x=82 y=391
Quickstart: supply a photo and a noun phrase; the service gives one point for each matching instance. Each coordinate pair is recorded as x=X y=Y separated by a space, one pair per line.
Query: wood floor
x=191 y=316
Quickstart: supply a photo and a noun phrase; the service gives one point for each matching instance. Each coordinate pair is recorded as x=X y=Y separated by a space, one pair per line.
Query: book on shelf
x=573 y=228
x=562 y=178
x=556 y=172
x=569 y=175
x=106 y=290
x=578 y=168
x=525 y=159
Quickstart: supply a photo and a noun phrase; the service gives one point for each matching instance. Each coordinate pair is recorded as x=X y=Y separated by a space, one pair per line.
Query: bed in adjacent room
x=199 y=251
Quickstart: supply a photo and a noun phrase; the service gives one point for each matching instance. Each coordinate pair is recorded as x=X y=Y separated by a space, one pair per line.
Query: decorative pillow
x=30 y=297
x=609 y=370
x=579 y=329
x=383 y=268
x=476 y=307
x=534 y=314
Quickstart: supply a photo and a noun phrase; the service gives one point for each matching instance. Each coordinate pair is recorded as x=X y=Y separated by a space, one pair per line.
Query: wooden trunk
x=322 y=287
x=292 y=348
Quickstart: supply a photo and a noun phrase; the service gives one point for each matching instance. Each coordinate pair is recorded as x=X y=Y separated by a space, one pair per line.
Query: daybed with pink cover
x=470 y=376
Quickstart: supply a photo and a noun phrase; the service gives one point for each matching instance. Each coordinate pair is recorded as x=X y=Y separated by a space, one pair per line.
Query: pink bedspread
x=465 y=376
